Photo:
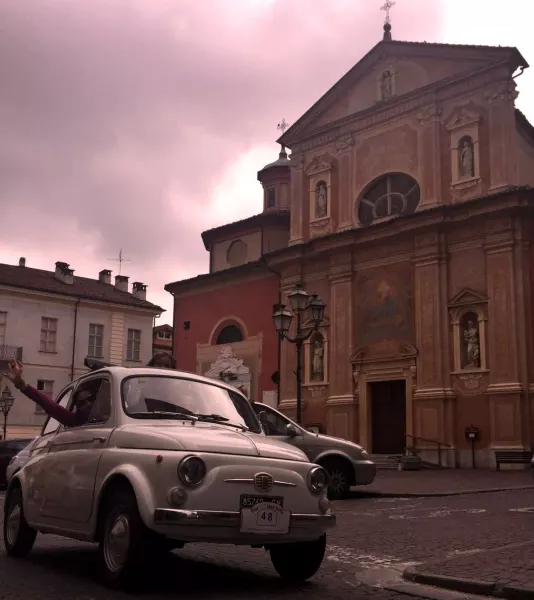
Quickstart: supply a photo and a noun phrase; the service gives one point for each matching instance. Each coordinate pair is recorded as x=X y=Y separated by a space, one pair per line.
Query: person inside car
x=83 y=399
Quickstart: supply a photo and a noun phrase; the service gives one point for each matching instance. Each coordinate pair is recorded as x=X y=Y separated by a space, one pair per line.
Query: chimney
x=22 y=261
x=139 y=290
x=121 y=283
x=104 y=276
x=63 y=273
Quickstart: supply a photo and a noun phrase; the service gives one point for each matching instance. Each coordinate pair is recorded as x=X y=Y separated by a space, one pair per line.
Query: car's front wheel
x=340 y=479
x=300 y=561
x=125 y=541
x=19 y=537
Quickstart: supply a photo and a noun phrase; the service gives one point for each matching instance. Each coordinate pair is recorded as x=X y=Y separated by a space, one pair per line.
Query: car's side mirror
x=291 y=430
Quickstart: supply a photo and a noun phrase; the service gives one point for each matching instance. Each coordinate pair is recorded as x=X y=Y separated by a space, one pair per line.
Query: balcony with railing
x=8 y=353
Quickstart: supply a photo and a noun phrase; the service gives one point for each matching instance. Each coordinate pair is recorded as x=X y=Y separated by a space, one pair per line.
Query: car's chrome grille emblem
x=263 y=482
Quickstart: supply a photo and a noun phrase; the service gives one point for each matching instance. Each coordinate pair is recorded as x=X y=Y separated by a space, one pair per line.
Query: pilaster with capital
x=502 y=130
x=342 y=417
x=430 y=154
x=508 y=398
x=344 y=148
x=340 y=311
x=298 y=187
x=430 y=311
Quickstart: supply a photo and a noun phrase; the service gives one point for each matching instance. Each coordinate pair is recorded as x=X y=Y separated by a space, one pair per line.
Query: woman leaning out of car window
x=82 y=401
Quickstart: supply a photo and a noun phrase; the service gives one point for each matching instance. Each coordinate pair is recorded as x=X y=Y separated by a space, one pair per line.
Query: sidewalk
x=506 y=572
x=446 y=482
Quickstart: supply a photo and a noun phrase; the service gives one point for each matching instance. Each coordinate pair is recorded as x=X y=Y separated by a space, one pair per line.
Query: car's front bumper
x=364 y=471
x=223 y=526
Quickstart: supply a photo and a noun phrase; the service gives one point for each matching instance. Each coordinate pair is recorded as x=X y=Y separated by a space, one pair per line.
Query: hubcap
x=13 y=524
x=338 y=481
x=117 y=543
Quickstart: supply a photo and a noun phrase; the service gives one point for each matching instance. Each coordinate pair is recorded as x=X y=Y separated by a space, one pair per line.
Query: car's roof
x=122 y=372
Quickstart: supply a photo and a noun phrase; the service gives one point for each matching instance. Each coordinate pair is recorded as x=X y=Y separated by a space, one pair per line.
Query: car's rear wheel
x=340 y=478
x=125 y=541
x=298 y=562
x=19 y=537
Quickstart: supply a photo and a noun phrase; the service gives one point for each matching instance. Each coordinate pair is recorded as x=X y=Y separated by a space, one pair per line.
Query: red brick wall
x=250 y=301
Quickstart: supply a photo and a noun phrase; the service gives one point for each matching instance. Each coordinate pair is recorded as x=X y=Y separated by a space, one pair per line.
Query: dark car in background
x=9 y=449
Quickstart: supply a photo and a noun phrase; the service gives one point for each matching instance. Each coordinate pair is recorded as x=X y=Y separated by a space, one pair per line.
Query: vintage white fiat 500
x=166 y=458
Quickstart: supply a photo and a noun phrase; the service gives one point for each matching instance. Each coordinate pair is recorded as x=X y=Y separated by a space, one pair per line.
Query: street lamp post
x=6 y=402
x=301 y=303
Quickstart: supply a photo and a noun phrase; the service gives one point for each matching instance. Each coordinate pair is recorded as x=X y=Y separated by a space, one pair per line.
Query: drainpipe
x=279 y=367
x=74 y=338
x=174 y=338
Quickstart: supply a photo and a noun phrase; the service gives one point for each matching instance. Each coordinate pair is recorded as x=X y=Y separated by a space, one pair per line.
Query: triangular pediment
x=467 y=297
x=411 y=67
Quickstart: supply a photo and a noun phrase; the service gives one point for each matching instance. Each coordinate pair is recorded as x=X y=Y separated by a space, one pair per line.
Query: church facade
x=406 y=205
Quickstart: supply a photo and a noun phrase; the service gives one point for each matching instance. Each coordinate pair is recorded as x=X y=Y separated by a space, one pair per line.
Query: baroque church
x=407 y=205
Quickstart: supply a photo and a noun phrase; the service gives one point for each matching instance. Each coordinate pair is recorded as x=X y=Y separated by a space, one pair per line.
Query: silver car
x=347 y=463
x=19 y=460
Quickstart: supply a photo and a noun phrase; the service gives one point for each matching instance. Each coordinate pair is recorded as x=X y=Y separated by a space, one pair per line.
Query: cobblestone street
x=375 y=541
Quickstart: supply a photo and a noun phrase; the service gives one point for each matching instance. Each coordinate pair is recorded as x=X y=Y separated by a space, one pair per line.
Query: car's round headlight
x=192 y=470
x=317 y=480
x=364 y=454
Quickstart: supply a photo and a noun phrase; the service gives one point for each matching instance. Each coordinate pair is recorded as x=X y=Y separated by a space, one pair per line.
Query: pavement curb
x=441 y=494
x=467 y=586
x=456 y=584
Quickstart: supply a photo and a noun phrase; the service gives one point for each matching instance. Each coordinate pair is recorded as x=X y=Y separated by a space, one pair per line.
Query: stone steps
x=386 y=461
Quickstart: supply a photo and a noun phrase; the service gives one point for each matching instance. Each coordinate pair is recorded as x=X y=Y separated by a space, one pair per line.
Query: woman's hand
x=15 y=371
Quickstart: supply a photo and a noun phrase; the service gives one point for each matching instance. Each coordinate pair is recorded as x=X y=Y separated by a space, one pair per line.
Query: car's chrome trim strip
x=251 y=480
x=172 y=516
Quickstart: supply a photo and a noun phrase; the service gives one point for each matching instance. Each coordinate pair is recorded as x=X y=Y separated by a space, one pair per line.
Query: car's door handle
x=100 y=439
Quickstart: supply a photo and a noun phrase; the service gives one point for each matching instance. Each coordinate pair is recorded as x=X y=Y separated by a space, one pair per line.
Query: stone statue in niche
x=471 y=340
x=386 y=85
x=317 y=357
x=321 y=200
x=466 y=158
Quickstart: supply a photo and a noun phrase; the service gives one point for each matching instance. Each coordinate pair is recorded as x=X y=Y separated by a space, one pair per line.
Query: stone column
x=341 y=405
x=502 y=131
x=345 y=186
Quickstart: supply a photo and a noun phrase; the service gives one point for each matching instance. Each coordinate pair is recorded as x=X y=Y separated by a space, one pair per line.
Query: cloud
x=126 y=123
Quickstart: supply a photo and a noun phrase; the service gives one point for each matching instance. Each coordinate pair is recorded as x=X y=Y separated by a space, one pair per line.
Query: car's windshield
x=159 y=396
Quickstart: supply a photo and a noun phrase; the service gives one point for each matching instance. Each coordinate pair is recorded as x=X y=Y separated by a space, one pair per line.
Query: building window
x=48 y=334
x=133 y=348
x=96 y=340
x=388 y=196
x=3 y=323
x=47 y=387
x=164 y=335
x=271 y=198
x=229 y=335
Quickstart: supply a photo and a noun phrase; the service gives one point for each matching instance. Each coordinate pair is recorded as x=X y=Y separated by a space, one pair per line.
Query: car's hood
x=203 y=437
x=334 y=442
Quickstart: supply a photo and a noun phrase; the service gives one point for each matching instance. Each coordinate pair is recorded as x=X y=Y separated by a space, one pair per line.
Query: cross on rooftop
x=387 y=6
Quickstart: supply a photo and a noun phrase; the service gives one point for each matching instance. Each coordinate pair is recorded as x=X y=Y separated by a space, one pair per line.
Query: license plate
x=264 y=515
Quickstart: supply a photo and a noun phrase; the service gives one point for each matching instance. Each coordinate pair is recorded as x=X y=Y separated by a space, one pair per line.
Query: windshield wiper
x=220 y=419
x=163 y=414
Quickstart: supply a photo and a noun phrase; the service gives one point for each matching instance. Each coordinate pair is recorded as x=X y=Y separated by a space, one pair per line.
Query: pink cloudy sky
x=137 y=124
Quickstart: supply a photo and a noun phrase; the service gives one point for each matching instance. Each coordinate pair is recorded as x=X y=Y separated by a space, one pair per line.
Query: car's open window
x=93 y=399
x=51 y=425
x=273 y=423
